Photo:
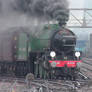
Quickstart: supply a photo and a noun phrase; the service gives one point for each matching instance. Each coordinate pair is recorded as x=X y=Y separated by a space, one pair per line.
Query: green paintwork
x=43 y=39
x=34 y=43
x=22 y=47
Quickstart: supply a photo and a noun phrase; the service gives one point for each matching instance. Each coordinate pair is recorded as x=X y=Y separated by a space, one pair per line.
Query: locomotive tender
x=48 y=54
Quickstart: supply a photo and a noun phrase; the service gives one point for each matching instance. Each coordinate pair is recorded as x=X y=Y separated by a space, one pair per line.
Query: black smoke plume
x=15 y=13
x=49 y=9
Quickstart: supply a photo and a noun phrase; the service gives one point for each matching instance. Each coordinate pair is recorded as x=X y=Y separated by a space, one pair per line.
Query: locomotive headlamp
x=52 y=54
x=77 y=54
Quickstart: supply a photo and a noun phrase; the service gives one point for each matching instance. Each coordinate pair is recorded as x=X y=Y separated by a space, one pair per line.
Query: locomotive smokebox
x=63 y=41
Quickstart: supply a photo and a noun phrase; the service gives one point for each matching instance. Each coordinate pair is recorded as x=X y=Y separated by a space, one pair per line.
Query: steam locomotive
x=55 y=52
x=50 y=53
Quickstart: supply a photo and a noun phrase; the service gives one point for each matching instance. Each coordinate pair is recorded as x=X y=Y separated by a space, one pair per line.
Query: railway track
x=87 y=69
x=9 y=83
x=62 y=85
x=38 y=85
x=87 y=64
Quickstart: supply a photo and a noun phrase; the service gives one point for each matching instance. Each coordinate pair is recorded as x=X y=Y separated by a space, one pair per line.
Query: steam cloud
x=28 y=12
x=50 y=9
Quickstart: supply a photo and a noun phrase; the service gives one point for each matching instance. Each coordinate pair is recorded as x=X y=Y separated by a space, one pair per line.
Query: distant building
x=89 y=46
x=81 y=45
x=90 y=41
x=88 y=4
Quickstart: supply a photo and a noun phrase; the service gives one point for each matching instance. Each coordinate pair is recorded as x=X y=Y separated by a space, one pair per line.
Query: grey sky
x=76 y=3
